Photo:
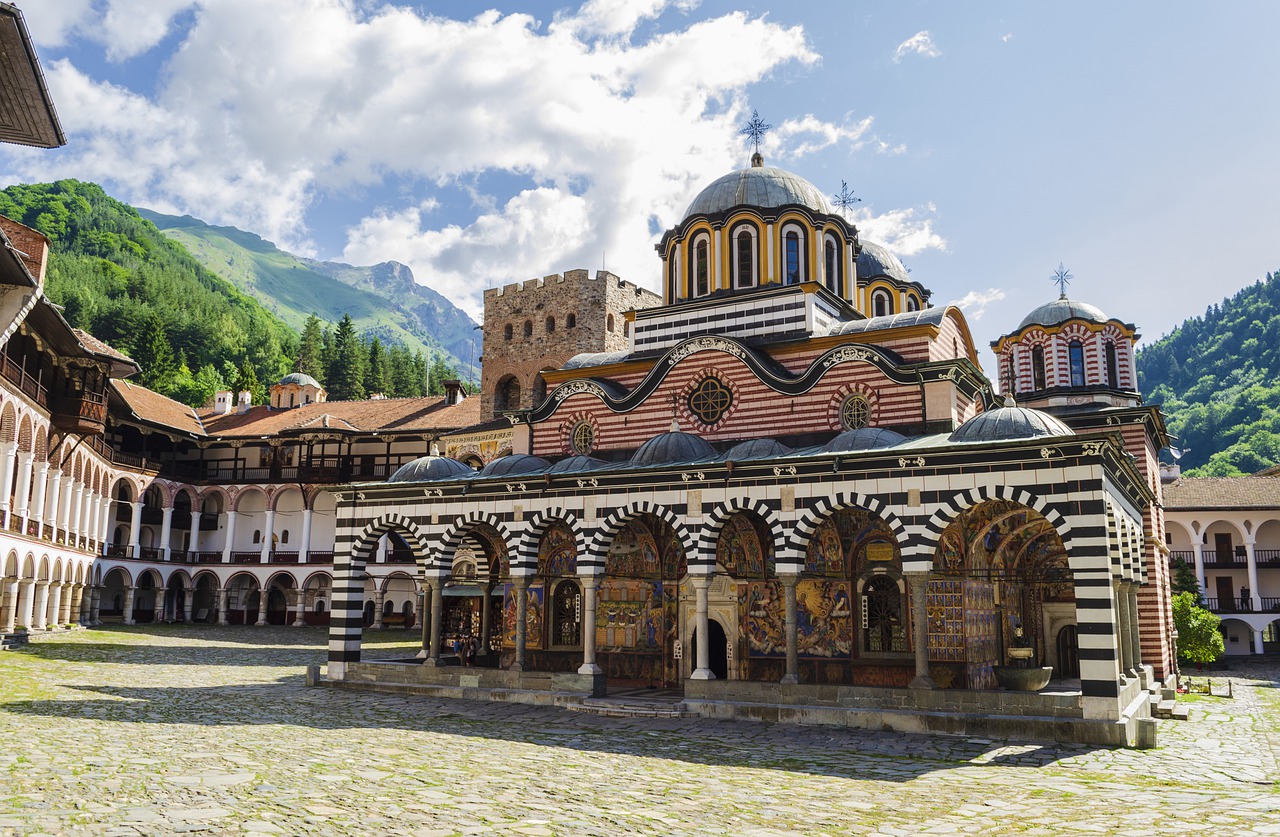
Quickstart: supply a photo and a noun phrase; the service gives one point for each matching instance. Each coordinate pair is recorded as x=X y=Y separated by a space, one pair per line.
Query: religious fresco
x=675 y=564
x=499 y=559
x=740 y=551
x=533 y=616
x=557 y=552
x=824 y=619
x=633 y=553
x=636 y=604
x=848 y=542
x=961 y=619
x=825 y=555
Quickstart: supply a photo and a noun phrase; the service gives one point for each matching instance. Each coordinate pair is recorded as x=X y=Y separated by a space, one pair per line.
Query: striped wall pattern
x=926 y=541
x=527 y=555
x=614 y=522
x=808 y=520
x=709 y=534
x=742 y=319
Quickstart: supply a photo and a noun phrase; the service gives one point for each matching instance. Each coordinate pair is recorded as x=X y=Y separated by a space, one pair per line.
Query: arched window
x=881 y=303
x=257 y=536
x=284 y=536
x=507 y=332
x=1113 y=367
x=626 y=328
x=506 y=396
x=794 y=267
x=1075 y=356
x=551 y=324
x=744 y=265
x=1012 y=386
x=609 y=324
x=701 y=269
x=566 y=615
x=831 y=263
x=528 y=328
x=571 y=321
x=883 y=615
x=913 y=304
x=1037 y=368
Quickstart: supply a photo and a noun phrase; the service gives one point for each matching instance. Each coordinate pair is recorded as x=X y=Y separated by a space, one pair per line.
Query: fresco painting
x=825 y=555
x=557 y=552
x=824 y=619
x=739 y=549
x=533 y=616
x=633 y=553
x=633 y=615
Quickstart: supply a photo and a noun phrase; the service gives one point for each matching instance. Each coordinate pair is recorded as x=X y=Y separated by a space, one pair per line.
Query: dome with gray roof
x=763 y=186
x=570 y=464
x=302 y=379
x=756 y=449
x=1007 y=423
x=876 y=260
x=514 y=465
x=1061 y=310
x=672 y=447
x=863 y=438
x=430 y=469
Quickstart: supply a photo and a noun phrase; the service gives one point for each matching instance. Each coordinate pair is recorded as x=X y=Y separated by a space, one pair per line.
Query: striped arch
x=8 y=423
x=710 y=532
x=25 y=434
x=537 y=526
x=618 y=518
x=927 y=544
x=42 y=444
x=367 y=541
x=458 y=530
x=808 y=522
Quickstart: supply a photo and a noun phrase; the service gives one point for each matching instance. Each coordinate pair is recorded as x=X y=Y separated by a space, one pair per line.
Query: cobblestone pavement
x=172 y=730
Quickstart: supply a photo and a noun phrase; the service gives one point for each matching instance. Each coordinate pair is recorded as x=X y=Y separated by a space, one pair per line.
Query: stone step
x=1182 y=713
x=623 y=709
x=1164 y=709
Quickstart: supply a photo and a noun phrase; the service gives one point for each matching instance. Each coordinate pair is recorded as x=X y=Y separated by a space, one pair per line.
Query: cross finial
x=1061 y=277
x=756 y=129
x=675 y=414
x=845 y=199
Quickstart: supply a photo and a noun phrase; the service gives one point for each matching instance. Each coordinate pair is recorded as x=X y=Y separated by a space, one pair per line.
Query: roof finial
x=675 y=415
x=435 y=449
x=845 y=200
x=1008 y=400
x=1061 y=277
x=756 y=129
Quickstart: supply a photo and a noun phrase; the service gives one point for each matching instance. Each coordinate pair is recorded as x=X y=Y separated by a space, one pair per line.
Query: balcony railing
x=320 y=558
x=25 y=382
x=1233 y=605
x=246 y=557
x=1271 y=604
x=284 y=557
x=1224 y=559
x=208 y=557
x=1184 y=556
x=1267 y=557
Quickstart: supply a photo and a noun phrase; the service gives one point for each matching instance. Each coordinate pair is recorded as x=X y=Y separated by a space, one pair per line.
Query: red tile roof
x=149 y=405
x=1188 y=493
x=386 y=415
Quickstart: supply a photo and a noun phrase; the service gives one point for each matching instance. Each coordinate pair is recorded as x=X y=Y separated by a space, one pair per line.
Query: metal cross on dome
x=845 y=199
x=1061 y=277
x=756 y=129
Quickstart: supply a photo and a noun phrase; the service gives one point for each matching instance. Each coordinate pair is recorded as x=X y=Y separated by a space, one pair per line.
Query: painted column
x=38 y=492
x=8 y=450
x=93 y=514
x=486 y=618
x=222 y=607
x=86 y=500
x=437 y=612
x=790 y=628
x=95 y=606
x=104 y=520
x=166 y=531
x=520 y=587
x=1198 y=549
x=128 y=605
x=1121 y=598
x=40 y=616
x=194 y=546
x=381 y=555
x=263 y=596
x=10 y=605
x=84 y=601
x=346 y=625
x=231 y=536
x=26 y=602
x=701 y=585
x=304 y=545
x=188 y=604
x=300 y=608
x=589 y=585
x=1255 y=594
x=918 y=584
x=268 y=532
x=378 y=598
x=22 y=484
x=135 y=529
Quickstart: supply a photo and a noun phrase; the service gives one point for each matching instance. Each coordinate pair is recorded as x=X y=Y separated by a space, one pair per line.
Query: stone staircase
x=13 y=640
x=637 y=703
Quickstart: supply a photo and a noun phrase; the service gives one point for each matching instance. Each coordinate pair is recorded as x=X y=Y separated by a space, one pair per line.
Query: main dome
x=1061 y=310
x=762 y=186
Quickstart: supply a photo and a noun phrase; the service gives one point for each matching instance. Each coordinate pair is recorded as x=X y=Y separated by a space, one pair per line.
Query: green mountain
x=1218 y=379
x=383 y=300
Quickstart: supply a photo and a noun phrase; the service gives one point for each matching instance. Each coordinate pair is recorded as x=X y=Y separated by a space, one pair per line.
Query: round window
x=583 y=439
x=855 y=412
x=710 y=401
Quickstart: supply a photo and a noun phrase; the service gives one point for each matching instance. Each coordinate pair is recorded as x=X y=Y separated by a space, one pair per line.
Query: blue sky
x=1133 y=142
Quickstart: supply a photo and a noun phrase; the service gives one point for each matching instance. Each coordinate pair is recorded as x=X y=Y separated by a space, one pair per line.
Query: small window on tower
x=832 y=263
x=1113 y=370
x=507 y=332
x=528 y=328
x=793 y=258
x=609 y=324
x=1075 y=354
x=702 y=270
x=1037 y=368
x=551 y=324
x=745 y=244
x=571 y=321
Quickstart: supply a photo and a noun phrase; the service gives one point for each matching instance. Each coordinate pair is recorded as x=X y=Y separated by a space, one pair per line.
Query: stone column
x=1121 y=598
x=791 y=627
x=263 y=595
x=520 y=588
x=1255 y=594
x=1198 y=549
x=135 y=529
x=76 y=498
x=268 y=531
x=128 y=605
x=84 y=603
x=589 y=585
x=95 y=606
x=66 y=501
x=1136 y=633
x=918 y=583
x=300 y=608
x=437 y=613
x=223 y=596
x=38 y=492
x=1257 y=642
x=166 y=531
x=424 y=621
x=378 y=598
x=380 y=555
x=64 y=614
x=8 y=450
x=40 y=614
x=157 y=604
x=105 y=520
x=93 y=514
x=22 y=484
x=701 y=586
x=304 y=544
x=54 y=490
x=231 y=536
x=486 y=618
x=194 y=545
x=54 y=606
x=188 y=605
x=9 y=605
x=26 y=603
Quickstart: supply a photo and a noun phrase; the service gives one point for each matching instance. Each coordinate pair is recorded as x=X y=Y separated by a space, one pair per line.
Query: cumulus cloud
x=921 y=43
x=974 y=304
x=904 y=231
x=125 y=28
x=598 y=135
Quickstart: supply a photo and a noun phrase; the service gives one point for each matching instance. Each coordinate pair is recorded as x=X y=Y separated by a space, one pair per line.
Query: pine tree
x=346 y=375
x=311 y=350
x=376 y=379
x=247 y=379
x=155 y=356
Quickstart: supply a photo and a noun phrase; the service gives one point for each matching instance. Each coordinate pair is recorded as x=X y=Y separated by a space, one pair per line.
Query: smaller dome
x=756 y=449
x=577 y=463
x=672 y=447
x=1061 y=310
x=1007 y=423
x=863 y=438
x=876 y=260
x=302 y=379
x=430 y=469
x=513 y=465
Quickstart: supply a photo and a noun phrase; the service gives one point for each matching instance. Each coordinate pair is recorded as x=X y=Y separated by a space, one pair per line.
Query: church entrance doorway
x=717 y=651
x=1068 y=653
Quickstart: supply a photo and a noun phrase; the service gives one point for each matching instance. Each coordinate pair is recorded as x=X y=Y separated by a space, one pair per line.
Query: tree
x=1199 y=640
x=376 y=379
x=247 y=379
x=155 y=356
x=311 y=350
x=346 y=376
x=1184 y=580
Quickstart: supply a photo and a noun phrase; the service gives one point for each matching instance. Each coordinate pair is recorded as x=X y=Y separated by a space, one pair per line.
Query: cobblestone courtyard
x=167 y=730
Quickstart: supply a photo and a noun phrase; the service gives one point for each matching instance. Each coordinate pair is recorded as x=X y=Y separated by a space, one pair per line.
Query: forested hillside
x=1218 y=378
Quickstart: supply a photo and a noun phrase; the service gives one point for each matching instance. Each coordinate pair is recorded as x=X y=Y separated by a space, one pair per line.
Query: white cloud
x=126 y=28
x=901 y=230
x=921 y=43
x=974 y=304
x=1006 y=37
x=266 y=108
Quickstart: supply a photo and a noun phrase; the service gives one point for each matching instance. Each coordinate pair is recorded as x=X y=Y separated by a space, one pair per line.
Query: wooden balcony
x=84 y=413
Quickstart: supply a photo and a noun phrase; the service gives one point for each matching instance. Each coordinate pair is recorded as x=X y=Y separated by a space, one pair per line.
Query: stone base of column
x=516 y=667
x=421 y=655
x=789 y=680
x=702 y=674
x=924 y=681
x=433 y=662
x=590 y=668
